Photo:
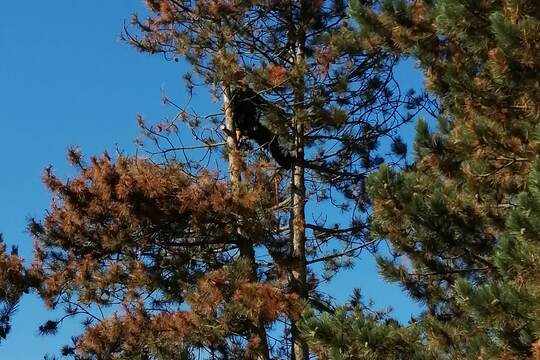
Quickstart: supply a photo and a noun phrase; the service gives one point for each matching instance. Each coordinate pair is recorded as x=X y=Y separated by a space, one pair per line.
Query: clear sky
x=66 y=79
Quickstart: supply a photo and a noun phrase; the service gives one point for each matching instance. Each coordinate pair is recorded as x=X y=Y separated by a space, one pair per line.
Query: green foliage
x=463 y=240
x=507 y=306
x=356 y=334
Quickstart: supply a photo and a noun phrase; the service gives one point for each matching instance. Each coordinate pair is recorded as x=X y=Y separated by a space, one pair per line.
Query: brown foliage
x=221 y=306
x=138 y=235
x=277 y=75
x=14 y=280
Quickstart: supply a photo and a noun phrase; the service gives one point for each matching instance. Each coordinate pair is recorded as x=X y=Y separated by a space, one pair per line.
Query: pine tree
x=130 y=234
x=169 y=259
x=188 y=262
x=325 y=96
x=452 y=217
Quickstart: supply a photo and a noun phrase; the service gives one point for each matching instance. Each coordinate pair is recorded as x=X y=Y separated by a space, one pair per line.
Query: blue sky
x=66 y=79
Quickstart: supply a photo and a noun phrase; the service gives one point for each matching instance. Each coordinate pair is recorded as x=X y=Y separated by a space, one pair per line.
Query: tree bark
x=234 y=157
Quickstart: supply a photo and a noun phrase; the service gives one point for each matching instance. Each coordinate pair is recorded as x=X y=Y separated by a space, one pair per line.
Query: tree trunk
x=245 y=244
x=234 y=157
x=298 y=230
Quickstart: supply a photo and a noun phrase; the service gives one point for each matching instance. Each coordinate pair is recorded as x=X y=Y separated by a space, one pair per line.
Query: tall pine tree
x=172 y=259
